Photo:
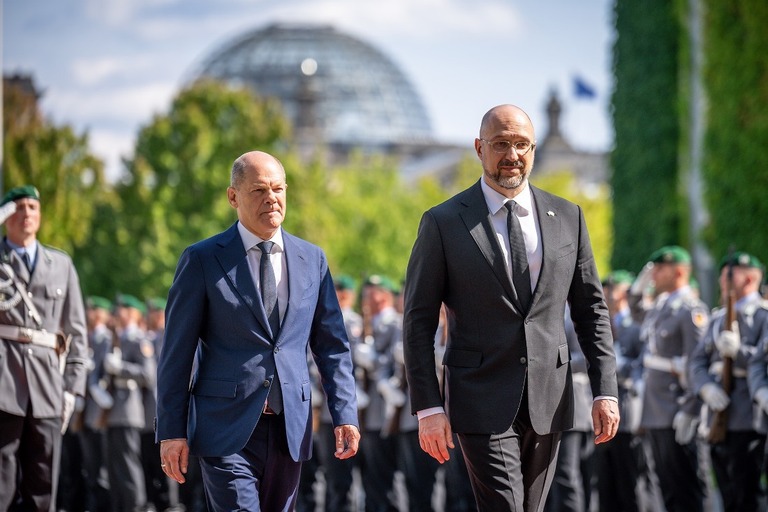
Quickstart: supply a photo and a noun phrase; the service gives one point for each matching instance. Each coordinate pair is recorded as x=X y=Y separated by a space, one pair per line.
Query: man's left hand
x=347 y=441
x=605 y=417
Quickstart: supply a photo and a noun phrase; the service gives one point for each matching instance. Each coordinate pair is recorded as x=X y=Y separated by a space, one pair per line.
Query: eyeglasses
x=521 y=147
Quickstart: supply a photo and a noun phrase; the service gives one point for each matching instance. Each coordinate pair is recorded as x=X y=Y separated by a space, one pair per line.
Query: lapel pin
x=551 y=213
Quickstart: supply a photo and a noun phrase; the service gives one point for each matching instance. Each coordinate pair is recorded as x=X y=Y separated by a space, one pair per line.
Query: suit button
x=276 y=350
x=523 y=360
x=266 y=384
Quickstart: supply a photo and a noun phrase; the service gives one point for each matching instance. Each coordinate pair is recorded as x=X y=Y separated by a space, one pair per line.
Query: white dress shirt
x=277 y=257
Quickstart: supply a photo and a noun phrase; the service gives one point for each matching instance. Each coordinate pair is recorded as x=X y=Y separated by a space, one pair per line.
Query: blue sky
x=107 y=66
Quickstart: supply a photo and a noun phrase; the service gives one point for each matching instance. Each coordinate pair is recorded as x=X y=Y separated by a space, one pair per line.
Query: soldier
x=670 y=331
x=736 y=459
x=620 y=464
x=382 y=331
x=131 y=368
x=43 y=355
x=98 y=402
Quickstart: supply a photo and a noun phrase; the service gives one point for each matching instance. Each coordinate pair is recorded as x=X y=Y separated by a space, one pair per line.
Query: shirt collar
x=250 y=240
x=20 y=249
x=496 y=201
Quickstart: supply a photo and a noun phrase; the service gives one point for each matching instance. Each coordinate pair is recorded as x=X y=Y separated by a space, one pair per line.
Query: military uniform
x=98 y=401
x=378 y=452
x=737 y=459
x=131 y=370
x=670 y=331
x=33 y=376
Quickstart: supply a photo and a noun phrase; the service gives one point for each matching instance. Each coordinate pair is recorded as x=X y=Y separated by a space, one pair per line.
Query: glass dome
x=354 y=93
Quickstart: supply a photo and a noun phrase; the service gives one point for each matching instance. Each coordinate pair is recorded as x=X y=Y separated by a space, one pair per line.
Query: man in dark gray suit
x=40 y=373
x=505 y=257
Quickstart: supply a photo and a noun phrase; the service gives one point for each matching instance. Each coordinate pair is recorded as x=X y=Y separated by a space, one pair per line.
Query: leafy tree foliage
x=54 y=159
x=174 y=190
x=736 y=147
x=649 y=209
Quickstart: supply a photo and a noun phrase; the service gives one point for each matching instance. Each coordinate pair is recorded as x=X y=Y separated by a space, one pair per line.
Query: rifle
x=104 y=396
x=392 y=424
x=719 y=426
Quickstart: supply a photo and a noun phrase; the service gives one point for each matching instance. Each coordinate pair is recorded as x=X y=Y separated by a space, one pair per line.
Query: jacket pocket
x=462 y=358
x=306 y=391
x=563 y=354
x=216 y=388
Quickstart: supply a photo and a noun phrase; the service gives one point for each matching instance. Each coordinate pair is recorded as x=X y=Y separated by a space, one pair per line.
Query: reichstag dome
x=342 y=91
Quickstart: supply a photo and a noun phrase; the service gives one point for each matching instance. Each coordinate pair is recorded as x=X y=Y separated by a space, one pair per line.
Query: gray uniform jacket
x=629 y=370
x=387 y=332
x=101 y=343
x=137 y=374
x=671 y=331
x=29 y=374
x=706 y=364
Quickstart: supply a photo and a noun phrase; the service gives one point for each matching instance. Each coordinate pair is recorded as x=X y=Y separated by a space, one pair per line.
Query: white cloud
x=88 y=72
x=123 y=104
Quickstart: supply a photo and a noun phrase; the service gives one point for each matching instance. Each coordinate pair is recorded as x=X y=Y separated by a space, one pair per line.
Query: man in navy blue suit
x=233 y=382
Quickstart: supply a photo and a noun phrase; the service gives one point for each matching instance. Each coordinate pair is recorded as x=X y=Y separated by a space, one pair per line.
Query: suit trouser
x=511 y=471
x=30 y=451
x=261 y=476
x=458 y=488
x=677 y=467
x=737 y=463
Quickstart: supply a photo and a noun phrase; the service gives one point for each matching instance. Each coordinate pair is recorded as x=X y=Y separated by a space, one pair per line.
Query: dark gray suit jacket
x=493 y=347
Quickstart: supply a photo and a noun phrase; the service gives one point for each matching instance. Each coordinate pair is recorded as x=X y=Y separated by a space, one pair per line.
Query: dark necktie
x=269 y=299
x=27 y=259
x=521 y=276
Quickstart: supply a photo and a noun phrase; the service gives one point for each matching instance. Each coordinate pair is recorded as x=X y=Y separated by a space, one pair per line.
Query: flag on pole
x=582 y=89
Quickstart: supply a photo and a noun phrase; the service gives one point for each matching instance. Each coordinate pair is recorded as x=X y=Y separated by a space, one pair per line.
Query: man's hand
x=435 y=436
x=347 y=441
x=174 y=458
x=605 y=417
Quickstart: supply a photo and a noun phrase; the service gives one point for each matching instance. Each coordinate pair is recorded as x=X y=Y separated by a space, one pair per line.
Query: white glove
x=728 y=342
x=714 y=396
x=398 y=353
x=364 y=356
x=761 y=397
x=390 y=391
x=685 y=427
x=363 y=400
x=101 y=397
x=67 y=408
x=643 y=280
x=113 y=363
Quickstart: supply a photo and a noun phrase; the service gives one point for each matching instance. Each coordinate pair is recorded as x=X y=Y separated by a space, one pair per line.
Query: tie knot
x=266 y=246
x=511 y=205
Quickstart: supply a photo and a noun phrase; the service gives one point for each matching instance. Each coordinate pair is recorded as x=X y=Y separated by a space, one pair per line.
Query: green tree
x=736 y=139
x=173 y=192
x=650 y=210
x=57 y=161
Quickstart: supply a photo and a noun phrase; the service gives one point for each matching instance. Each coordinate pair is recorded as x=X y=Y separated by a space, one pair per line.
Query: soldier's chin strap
x=22 y=289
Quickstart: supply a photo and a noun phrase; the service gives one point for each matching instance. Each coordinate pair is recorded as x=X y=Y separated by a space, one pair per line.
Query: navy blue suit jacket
x=217 y=333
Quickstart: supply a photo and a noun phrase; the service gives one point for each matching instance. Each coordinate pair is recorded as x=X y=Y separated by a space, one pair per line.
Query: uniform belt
x=716 y=368
x=27 y=335
x=663 y=364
